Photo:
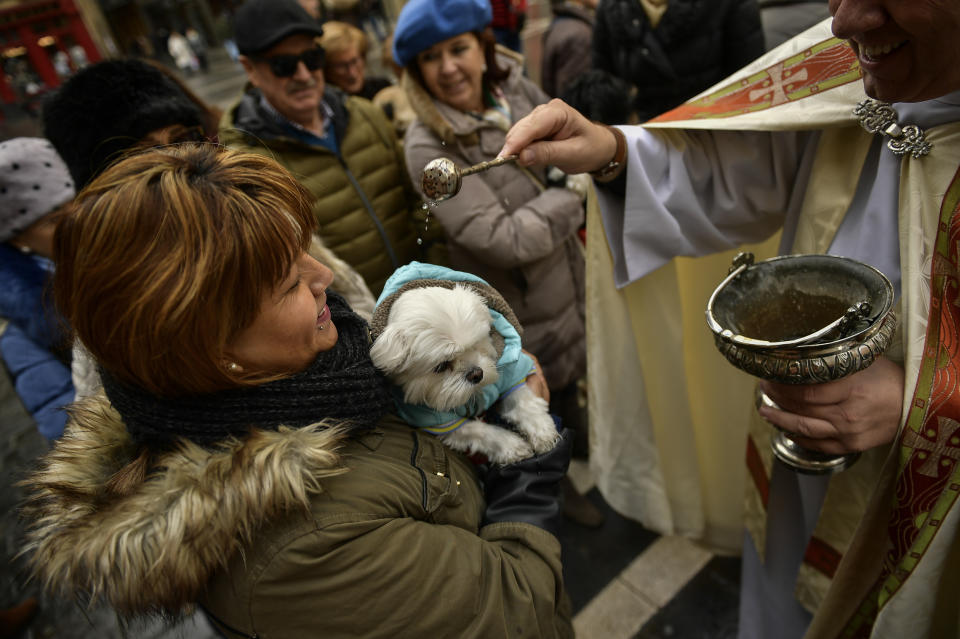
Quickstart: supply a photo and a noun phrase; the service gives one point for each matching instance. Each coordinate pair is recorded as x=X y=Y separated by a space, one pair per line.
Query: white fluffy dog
x=439 y=347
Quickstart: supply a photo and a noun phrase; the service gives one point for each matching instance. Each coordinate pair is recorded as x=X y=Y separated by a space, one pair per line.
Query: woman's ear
x=232 y=368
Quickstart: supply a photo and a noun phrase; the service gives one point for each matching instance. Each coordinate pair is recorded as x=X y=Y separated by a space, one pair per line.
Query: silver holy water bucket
x=802 y=319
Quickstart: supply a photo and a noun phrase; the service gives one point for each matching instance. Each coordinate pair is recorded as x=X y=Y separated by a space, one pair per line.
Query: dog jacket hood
x=513 y=365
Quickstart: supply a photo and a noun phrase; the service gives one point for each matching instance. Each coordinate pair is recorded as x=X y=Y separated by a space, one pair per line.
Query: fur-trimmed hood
x=154 y=549
x=446 y=122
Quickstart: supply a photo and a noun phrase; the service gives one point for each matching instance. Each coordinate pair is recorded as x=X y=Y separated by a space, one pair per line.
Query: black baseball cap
x=260 y=24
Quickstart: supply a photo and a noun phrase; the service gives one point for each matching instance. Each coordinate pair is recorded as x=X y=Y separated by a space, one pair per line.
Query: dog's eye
x=442 y=367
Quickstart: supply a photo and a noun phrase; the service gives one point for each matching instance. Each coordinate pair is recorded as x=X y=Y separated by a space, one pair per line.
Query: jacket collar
x=154 y=549
x=250 y=117
x=571 y=10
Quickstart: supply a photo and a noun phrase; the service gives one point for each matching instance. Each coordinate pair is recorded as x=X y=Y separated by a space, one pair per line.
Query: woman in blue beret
x=514 y=227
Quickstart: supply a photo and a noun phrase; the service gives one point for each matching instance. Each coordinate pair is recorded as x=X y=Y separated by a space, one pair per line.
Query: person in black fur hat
x=112 y=106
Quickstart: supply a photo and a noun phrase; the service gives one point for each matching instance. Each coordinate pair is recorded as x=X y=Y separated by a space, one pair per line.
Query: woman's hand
x=556 y=133
x=848 y=415
x=536 y=381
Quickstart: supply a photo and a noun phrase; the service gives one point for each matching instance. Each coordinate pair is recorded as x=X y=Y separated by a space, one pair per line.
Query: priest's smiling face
x=909 y=50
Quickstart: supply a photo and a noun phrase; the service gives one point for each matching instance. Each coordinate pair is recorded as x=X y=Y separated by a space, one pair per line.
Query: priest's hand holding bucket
x=848 y=415
x=813 y=328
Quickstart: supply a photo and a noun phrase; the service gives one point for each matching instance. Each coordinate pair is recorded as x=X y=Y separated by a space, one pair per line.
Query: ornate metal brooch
x=879 y=117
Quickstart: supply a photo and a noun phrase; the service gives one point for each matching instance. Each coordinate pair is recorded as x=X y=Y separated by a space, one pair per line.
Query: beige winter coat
x=289 y=534
x=505 y=227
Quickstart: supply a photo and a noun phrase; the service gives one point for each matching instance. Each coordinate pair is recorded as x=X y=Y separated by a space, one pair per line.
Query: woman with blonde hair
x=243 y=457
x=346 y=49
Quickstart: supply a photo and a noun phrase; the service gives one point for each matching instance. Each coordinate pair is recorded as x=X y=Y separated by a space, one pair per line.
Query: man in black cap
x=342 y=148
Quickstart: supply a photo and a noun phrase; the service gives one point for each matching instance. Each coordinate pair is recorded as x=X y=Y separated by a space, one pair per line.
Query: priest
x=847 y=144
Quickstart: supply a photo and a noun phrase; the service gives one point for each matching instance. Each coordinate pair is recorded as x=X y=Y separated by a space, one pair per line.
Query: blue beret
x=423 y=23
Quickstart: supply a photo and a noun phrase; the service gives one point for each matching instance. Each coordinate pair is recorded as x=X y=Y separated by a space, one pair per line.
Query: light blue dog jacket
x=513 y=365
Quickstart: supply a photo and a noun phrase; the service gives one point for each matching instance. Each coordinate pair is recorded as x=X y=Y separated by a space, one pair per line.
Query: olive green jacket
x=293 y=533
x=368 y=213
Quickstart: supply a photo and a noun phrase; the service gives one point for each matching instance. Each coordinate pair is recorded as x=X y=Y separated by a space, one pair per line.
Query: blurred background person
x=602 y=97
x=315 y=8
x=182 y=53
x=112 y=106
x=346 y=60
x=34 y=186
x=367 y=15
x=673 y=50
x=61 y=64
x=509 y=17
x=223 y=29
x=783 y=19
x=198 y=45
x=507 y=225
x=566 y=45
x=393 y=98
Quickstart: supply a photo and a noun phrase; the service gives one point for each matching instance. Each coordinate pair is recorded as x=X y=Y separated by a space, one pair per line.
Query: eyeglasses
x=284 y=66
x=346 y=65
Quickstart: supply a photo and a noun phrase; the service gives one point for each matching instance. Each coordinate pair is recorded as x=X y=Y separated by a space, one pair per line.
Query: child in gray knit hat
x=34 y=183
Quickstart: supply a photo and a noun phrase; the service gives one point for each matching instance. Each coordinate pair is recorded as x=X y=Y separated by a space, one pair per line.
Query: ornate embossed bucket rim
x=801 y=350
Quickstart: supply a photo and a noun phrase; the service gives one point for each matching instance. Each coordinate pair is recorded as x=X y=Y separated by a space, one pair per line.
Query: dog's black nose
x=475 y=375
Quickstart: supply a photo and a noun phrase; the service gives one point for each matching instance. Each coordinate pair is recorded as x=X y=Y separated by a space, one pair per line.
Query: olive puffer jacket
x=368 y=213
x=293 y=533
x=505 y=227
x=696 y=44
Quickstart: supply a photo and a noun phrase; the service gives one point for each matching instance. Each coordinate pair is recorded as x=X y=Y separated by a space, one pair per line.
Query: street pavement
x=222 y=84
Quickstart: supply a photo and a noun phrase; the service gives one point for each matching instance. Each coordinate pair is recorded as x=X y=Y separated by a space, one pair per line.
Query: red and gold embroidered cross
x=826 y=65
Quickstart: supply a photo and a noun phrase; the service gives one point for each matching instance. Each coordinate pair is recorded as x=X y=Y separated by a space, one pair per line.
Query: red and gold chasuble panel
x=824 y=66
x=928 y=481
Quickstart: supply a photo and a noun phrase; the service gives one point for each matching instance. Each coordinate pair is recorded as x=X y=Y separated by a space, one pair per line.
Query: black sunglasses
x=284 y=66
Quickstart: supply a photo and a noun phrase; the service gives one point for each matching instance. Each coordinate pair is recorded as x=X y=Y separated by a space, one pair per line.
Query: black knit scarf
x=341 y=384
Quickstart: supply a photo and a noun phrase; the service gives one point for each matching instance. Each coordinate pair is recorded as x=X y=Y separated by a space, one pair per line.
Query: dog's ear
x=390 y=350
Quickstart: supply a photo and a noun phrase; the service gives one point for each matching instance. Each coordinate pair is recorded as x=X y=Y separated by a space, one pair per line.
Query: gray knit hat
x=33 y=182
